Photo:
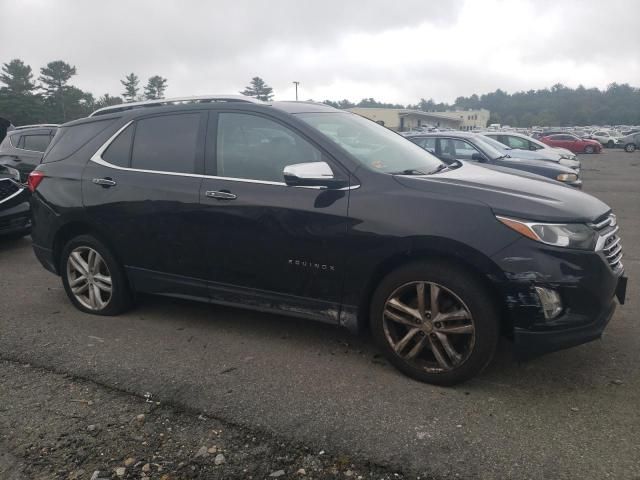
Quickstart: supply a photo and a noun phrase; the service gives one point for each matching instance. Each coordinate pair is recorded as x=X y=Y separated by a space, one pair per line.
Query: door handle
x=221 y=195
x=104 y=182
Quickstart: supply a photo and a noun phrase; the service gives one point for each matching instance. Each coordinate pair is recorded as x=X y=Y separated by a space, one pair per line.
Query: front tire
x=630 y=147
x=589 y=149
x=435 y=322
x=93 y=278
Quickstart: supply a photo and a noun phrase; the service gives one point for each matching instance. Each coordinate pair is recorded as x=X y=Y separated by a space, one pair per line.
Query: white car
x=605 y=138
x=523 y=142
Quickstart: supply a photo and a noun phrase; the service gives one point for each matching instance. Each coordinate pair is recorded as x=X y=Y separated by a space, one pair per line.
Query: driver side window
x=456 y=149
x=256 y=148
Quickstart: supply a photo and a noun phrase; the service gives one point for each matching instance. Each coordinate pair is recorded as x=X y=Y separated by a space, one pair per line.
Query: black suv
x=23 y=147
x=305 y=210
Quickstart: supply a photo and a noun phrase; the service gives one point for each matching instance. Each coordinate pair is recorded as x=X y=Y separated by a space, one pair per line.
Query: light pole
x=296 y=84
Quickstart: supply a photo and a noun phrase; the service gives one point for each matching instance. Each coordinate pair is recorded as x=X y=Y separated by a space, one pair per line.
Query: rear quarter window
x=70 y=139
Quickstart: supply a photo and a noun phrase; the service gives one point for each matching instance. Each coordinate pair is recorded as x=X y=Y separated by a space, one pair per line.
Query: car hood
x=535 y=154
x=518 y=162
x=512 y=193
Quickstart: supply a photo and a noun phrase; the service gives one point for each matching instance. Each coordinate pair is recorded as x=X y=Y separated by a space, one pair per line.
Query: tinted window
x=517 y=142
x=456 y=149
x=256 y=148
x=428 y=143
x=37 y=143
x=166 y=143
x=68 y=140
x=119 y=152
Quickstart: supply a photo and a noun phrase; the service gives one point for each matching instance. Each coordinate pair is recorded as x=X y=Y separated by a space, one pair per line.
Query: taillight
x=34 y=180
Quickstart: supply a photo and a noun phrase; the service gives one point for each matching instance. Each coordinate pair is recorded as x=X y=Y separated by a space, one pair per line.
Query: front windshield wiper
x=409 y=171
x=439 y=168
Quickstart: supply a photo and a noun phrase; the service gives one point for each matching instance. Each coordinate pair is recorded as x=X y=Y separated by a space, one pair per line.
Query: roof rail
x=171 y=101
x=36 y=125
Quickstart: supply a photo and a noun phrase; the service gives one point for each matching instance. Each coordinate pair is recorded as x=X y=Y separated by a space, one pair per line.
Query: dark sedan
x=451 y=146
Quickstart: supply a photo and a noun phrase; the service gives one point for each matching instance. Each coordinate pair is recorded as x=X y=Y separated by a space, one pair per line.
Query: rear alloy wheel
x=92 y=278
x=630 y=147
x=589 y=149
x=435 y=323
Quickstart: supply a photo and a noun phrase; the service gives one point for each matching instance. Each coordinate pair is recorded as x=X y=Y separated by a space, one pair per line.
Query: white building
x=469 y=119
x=402 y=119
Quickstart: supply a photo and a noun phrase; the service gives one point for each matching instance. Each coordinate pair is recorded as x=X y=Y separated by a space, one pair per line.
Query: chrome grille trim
x=608 y=241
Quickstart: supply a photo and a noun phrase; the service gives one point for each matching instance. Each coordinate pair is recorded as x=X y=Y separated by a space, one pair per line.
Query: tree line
x=53 y=99
x=618 y=104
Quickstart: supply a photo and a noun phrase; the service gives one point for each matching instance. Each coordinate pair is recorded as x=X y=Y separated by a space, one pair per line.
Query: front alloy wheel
x=429 y=326
x=630 y=147
x=589 y=149
x=435 y=321
x=89 y=278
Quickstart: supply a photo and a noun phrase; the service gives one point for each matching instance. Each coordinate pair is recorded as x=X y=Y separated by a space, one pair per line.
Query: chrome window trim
x=20 y=190
x=97 y=158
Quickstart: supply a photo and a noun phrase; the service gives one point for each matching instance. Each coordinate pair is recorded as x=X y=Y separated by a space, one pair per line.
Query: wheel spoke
x=103 y=286
x=97 y=296
x=102 y=278
x=404 y=308
x=92 y=297
x=438 y=354
x=456 y=329
x=448 y=348
x=417 y=348
x=78 y=263
x=460 y=314
x=399 y=318
x=77 y=281
x=434 y=293
x=81 y=289
x=405 y=340
x=422 y=309
x=91 y=261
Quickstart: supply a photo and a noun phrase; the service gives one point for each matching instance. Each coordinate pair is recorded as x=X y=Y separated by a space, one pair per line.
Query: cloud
x=396 y=52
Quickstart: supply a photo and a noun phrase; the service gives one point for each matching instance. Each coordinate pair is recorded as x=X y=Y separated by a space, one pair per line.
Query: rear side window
x=167 y=143
x=36 y=143
x=517 y=142
x=70 y=139
x=428 y=143
x=119 y=152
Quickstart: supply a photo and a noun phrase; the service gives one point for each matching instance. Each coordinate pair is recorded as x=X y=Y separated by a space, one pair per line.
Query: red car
x=573 y=143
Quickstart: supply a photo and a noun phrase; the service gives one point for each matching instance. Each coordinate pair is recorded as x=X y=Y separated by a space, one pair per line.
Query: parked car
x=23 y=147
x=630 y=142
x=605 y=138
x=15 y=219
x=306 y=210
x=573 y=143
x=450 y=146
x=520 y=144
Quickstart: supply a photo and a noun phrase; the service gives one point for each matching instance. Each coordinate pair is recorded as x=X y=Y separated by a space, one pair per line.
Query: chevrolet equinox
x=305 y=210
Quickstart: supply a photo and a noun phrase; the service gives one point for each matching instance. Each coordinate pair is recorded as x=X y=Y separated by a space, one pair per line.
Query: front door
x=143 y=191
x=271 y=246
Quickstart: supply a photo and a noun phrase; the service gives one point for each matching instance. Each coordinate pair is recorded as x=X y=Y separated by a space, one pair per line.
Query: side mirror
x=313 y=174
x=478 y=157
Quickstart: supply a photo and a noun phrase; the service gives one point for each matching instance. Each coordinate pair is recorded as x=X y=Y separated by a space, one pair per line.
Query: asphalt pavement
x=571 y=414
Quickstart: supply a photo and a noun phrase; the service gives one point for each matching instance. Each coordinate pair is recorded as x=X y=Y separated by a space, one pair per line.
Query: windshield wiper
x=439 y=168
x=409 y=171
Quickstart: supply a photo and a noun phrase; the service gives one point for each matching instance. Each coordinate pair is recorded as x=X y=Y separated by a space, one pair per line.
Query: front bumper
x=585 y=282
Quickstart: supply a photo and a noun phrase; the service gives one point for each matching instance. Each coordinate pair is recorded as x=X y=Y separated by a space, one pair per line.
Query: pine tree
x=258 y=89
x=131 y=88
x=17 y=77
x=155 y=87
x=55 y=77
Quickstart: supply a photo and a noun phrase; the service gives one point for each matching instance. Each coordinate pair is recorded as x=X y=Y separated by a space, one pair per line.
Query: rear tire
x=589 y=149
x=443 y=342
x=630 y=147
x=92 y=277
x=610 y=144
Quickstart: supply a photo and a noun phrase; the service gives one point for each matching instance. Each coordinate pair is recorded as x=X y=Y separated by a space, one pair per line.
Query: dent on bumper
x=530 y=344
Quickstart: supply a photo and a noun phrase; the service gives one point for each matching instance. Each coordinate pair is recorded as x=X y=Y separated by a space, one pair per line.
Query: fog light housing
x=551 y=302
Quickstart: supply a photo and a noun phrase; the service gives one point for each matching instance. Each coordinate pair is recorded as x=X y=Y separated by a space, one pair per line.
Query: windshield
x=374 y=146
x=501 y=147
x=486 y=145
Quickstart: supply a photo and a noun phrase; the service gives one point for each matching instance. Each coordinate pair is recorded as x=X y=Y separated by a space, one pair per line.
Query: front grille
x=609 y=241
x=7 y=188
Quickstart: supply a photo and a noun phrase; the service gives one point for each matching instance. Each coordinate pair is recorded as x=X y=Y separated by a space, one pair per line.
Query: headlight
x=569 y=156
x=567 y=177
x=570 y=235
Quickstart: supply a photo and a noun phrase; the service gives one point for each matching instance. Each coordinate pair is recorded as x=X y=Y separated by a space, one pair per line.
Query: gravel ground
x=53 y=426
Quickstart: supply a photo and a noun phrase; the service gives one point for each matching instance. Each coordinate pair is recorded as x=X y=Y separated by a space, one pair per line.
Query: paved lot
x=572 y=414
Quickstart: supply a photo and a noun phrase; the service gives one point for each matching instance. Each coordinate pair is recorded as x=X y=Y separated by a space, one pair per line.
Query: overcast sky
x=394 y=51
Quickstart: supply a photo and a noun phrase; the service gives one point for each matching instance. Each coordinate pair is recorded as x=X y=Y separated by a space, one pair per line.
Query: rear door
x=269 y=245
x=143 y=192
